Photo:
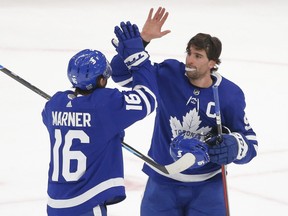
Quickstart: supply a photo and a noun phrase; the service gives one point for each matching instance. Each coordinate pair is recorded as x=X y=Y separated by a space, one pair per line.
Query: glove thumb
x=115 y=43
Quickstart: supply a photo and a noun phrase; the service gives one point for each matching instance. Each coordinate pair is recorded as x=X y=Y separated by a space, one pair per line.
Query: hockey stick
x=24 y=82
x=178 y=166
x=219 y=130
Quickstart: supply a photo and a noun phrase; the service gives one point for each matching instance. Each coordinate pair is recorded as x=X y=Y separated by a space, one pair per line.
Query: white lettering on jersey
x=74 y=119
x=133 y=102
x=190 y=122
x=209 y=113
x=247 y=125
x=65 y=155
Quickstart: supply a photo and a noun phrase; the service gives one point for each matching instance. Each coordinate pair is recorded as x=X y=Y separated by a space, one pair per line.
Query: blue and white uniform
x=86 y=166
x=184 y=107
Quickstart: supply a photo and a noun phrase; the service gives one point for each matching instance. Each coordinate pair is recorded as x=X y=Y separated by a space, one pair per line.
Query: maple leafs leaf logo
x=191 y=122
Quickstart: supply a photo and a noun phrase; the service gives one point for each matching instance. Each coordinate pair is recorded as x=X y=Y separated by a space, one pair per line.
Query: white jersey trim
x=251 y=137
x=97 y=211
x=218 y=77
x=188 y=178
x=125 y=82
x=66 y=203
x=138 y=88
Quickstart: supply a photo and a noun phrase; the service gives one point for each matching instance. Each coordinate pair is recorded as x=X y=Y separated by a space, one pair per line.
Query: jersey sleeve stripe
x=251 y=137
x=125 y=82
x=138 y=88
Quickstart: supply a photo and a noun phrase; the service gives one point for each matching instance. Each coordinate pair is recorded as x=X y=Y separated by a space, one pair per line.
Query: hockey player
x=185 y=116
x=86 y=127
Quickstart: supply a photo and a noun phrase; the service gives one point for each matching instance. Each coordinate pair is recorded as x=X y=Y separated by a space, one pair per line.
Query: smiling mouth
x=190 y=69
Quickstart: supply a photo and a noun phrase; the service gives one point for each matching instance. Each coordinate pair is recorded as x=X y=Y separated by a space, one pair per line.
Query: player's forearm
x=120 y=73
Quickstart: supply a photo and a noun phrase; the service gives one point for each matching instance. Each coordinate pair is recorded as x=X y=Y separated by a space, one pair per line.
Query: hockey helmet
x=178 y=148
x=193 y=143
x=85 y=67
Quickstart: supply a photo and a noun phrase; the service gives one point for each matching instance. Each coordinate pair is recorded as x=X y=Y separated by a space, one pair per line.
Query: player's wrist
x=145 y=43
x=146 y=37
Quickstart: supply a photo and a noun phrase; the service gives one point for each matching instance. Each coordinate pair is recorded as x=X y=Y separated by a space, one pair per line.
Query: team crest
x=190 y=123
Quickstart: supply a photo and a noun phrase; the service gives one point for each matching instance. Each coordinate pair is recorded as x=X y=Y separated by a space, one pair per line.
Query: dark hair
x=86 y=92
x=211 y=45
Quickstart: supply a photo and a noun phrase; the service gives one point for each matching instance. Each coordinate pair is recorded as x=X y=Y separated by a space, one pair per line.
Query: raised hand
x=129 y=45
x=153 y=25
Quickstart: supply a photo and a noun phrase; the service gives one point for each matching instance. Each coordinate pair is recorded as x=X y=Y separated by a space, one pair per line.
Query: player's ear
x=101 y=82
x=211 y=64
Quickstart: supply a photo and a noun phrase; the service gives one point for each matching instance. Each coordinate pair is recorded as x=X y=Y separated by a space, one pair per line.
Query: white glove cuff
x=242 y=146
x=136 y=59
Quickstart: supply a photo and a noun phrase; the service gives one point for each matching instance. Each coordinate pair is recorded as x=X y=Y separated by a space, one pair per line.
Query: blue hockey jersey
x=184 y=107
x=86 y=166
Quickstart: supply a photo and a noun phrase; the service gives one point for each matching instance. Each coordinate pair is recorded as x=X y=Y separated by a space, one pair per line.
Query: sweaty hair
x=211 y=45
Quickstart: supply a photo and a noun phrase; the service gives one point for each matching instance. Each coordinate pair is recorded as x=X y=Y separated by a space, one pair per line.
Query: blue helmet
x=85 y=67
x=190 y=144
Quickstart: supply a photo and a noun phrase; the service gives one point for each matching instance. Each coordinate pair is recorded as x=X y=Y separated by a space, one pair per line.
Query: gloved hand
x=182 y=145
x=129 y=45
x=231 y=147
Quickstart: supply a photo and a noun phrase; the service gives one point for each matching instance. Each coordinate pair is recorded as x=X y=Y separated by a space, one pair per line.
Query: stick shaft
x=219 y=129
x=217 y=109
x=24 y=82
